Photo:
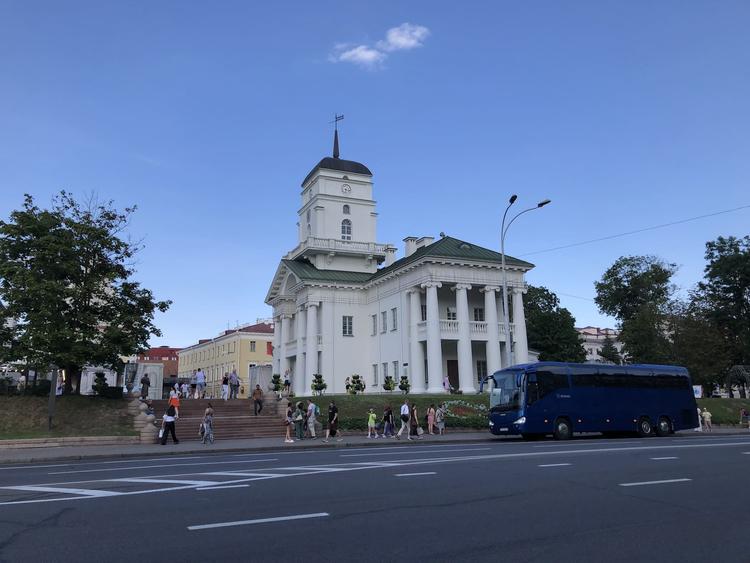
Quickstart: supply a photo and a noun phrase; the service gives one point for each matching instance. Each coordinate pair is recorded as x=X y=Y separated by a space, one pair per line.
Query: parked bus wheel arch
x=663 y=427
x=645 y=428
x=563 y=429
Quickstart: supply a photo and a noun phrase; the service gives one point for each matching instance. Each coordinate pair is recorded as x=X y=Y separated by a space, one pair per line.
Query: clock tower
x=337 y=220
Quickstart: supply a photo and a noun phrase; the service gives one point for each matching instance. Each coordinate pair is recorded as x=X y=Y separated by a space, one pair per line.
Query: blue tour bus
x=556 y=398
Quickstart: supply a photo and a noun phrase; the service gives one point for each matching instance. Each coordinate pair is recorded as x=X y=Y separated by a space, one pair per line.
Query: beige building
x=592 y=339
x=247 y=349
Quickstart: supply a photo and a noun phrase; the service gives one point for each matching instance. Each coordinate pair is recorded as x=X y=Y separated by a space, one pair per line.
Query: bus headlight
x=521 y=420
x=492 y=424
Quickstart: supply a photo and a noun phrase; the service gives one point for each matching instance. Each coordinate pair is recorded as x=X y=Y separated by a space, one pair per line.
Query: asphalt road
x=658 y=499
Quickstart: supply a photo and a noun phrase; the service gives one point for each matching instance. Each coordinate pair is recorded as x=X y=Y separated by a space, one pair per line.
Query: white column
x=416 y=355
x=465 y=361
x=298 y=379
x=311 y=359
x=493 y=333
x=284 y=363
x=277 y=346
x=434 y=344
x=521 y=355
x=327 y=364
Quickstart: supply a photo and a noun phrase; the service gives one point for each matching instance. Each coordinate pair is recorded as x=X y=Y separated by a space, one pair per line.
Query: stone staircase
x=232 y=419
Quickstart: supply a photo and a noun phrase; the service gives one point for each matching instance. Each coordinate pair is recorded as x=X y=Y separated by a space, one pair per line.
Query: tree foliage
x=65 y=283
x=726 y=290
x=609 y=352
x=637 y=291
x=550 y=328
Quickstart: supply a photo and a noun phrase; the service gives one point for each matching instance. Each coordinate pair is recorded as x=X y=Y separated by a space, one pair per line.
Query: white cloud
x=362 y=55
x=402 y=38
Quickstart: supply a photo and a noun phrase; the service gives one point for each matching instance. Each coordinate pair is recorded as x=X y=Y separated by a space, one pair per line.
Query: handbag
x=420 y=430
x=161 y=432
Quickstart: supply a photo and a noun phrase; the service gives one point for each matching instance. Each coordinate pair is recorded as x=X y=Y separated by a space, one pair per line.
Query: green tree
x=609 y=352
x=637 y=291
x=726 y=289
x=66 y=288
x=550 y=328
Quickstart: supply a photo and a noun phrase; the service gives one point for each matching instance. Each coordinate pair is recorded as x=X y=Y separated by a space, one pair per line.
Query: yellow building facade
x=248 y=350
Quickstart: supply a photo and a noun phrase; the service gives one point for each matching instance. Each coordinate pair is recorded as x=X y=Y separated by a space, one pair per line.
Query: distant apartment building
x=161 y=363
x=592 y=339
x=247 y=349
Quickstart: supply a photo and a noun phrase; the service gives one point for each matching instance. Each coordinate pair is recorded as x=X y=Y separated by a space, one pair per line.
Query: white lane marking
x=416 y=474
x=665 y=457
x=35 y=466
x=745 y=453
x=142 y=460
x=219 y=487
x=554 y=465
x=244 y=474
x=166 y=481
x=158 y=466
x=258 y=521
x=412 y=452
x=84 y=492
x=663 y=481
x=577 y=443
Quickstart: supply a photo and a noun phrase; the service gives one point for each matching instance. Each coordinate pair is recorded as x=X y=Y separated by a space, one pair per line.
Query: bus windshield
x=506 y=396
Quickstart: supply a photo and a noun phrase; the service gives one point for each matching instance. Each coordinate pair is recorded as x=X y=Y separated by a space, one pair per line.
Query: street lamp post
x=503 y=232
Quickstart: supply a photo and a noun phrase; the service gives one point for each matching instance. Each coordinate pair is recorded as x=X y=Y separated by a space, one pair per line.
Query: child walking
x=372 y=431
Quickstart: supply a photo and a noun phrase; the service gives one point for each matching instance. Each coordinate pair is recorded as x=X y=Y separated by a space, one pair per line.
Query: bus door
x=547 y=397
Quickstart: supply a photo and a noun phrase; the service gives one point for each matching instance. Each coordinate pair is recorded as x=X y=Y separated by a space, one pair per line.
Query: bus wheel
x=663 y=428
x=644 y=427
x=563 y=429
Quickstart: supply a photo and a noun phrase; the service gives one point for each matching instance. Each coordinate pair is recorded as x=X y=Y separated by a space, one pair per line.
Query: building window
x=479 y=314
x=347 y=325
x=451 y=314
x=481 y=369
x=347 y=211
x=374 y=325
x=394 y=322
x=385 y=370
x=346 y=229
x=308 y=216
x=252 y=345
x=424 y=313
x=384 y=321
x=374 y=374
x=395 y=369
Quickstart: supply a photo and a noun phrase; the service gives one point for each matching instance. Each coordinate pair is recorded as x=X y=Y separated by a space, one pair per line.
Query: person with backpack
x=312 y=414
x=440 y=418
x=145 y=384
x=389 y=428
x=299 y=421
x=333 y=423
x=168 y=426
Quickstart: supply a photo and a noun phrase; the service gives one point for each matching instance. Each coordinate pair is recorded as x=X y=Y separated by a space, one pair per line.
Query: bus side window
x=549 y=382
x=532 y=390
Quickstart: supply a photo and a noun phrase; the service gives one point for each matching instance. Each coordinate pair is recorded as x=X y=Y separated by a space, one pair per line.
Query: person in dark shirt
x=333 y=423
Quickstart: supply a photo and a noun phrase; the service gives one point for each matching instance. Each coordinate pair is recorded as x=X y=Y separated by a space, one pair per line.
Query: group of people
x=409 y=417
x=303 y=419
x=230 y=385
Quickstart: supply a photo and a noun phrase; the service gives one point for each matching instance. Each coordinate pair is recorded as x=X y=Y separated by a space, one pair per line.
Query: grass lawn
x=724 y=411
x=26 y=417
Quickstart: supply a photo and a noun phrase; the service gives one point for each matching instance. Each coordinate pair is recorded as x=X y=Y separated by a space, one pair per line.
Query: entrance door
x=453 y=373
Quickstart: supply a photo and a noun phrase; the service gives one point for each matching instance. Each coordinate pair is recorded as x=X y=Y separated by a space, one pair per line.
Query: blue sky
x=209 y=115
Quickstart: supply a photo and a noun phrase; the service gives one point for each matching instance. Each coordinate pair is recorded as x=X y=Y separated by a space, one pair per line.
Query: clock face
x=346 y=188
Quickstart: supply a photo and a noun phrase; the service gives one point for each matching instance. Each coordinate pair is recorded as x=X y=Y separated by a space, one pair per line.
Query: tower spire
x=336 y=119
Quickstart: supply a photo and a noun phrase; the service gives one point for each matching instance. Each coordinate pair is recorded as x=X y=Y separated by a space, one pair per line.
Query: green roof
x=445 y=247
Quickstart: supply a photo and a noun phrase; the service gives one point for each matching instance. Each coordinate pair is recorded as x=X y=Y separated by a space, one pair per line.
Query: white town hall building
x=343 y=305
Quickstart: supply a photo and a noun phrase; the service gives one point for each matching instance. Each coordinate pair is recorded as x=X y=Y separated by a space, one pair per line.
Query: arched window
x=346 y=229
x=347 y=211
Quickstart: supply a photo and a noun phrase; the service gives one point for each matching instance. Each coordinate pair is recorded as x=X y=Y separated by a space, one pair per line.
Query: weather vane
x=336 y=120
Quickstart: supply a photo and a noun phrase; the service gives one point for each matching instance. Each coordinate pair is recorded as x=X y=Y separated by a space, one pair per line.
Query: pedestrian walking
x=312 y=414
x=184 y=389
x=145 y=385
x=405 y=416
x=225 y=386
x=168 y=426
x=414 y=423
x=431 y=419
x=440 y=418
x=371 y=422
x=706 y=416
x=234 y=385
x=208 y=425
x=200 y=384
x=174 y=401
x=333 y=423
x=257 y=400
x=347 y=385
x=287 y=383
x=389 y=428
x=288 y=423
x=299 y=420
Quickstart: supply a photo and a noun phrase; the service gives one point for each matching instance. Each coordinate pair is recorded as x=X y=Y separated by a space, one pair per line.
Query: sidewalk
x=358 y=439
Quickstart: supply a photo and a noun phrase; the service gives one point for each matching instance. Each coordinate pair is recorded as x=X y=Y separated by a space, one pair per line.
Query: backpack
x=317 y=411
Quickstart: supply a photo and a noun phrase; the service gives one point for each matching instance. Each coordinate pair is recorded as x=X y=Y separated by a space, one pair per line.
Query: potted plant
x=389 y=384
x=404 y=384
x=318 y=385
x=356 y=384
